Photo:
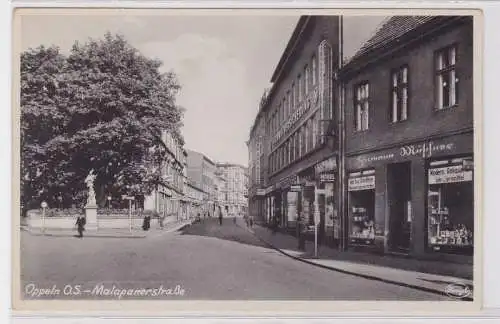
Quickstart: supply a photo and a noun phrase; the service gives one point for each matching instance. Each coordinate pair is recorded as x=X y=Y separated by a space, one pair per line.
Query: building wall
x=427 y=135
x=422 y=112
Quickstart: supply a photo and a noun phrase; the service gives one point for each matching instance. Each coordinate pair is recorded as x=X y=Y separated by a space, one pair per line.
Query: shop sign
x=296 y=188
x=287 y=182
x=361 y=183
x=327 y=177
x=304 y=106
x=326 y=165
x=424 y=150
x=261 y=192
x=449 y=174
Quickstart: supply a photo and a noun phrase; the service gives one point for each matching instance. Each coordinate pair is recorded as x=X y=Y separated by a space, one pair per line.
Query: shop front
x=415 y=199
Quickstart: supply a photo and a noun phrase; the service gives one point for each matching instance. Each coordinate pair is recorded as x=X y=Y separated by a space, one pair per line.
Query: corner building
x=409 y=139
x=300 y=142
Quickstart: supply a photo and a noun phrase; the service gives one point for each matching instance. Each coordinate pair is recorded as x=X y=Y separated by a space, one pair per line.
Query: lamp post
x=44 y=207
x=109 y=205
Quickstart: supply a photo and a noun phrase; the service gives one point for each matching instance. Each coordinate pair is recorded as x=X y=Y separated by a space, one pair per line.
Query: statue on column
x=89 y=181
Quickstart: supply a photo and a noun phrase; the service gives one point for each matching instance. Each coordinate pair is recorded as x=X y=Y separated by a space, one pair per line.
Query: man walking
x=80 y=224
x=220 y=216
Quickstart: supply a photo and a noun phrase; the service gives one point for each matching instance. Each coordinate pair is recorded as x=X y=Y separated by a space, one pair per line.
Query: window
x=399 y=98
x=289 y=100
x=306 y=80
x=315 y=130
x=292 y=148
x=301 y=142
x=294 y=97
x=297 y=145
x=299 y=83
x=304 y=139
x=314 y=70
x=451 y=205
x=361 y=96
x=446 y=78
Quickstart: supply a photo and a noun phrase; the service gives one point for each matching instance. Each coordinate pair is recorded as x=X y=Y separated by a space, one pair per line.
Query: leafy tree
x=102 y=107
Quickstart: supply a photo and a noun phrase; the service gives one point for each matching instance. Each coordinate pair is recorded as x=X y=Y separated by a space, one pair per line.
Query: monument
x=91 y=206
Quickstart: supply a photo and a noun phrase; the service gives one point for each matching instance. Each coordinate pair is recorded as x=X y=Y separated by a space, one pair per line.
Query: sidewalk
x=136 y=232
x=432 y=276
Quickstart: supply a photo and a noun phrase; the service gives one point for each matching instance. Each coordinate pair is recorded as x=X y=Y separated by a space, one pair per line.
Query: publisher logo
x=458 y=290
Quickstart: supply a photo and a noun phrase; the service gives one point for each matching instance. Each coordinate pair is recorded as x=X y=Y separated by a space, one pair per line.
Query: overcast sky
x=223 y=63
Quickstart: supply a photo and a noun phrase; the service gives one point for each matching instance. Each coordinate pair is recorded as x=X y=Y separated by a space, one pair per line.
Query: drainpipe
x=342 y=201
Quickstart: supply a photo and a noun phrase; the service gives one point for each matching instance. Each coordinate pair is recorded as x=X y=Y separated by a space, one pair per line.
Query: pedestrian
x=251 y=221
x=220 y=216
x=80 y=225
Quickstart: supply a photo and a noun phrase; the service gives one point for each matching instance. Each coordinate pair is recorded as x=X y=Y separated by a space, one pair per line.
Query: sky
x=223 y=63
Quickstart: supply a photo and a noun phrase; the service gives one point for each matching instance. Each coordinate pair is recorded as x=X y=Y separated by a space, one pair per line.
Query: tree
x=102 y=107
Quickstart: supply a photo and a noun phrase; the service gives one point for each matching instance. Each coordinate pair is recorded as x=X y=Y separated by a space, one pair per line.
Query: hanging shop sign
x=361 y=183
x=287 y=181
x=450 y=174
x=327 y=177
x=261 y=192
x=327 y=165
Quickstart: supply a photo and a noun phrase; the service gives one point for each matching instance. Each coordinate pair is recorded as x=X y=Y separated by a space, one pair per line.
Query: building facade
x=196 y=197
x=221 y=188
x=201 y=171
x=169 y=200
x=236 y=187
x=256 y=165
x=300 y=142
x=410 y=137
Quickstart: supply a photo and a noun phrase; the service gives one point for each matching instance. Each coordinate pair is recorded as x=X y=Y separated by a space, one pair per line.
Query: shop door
x=399 y=197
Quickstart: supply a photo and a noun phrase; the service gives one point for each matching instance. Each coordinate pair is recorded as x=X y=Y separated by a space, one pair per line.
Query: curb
x=392 y=282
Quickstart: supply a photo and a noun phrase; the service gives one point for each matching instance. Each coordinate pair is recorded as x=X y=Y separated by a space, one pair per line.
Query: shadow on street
x=227 y=231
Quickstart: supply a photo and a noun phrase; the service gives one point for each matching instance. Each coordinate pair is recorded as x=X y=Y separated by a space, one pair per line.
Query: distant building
x=170 y=198
x=201 y=172
x=221 y=188
x=236 y=189
x=196 y=197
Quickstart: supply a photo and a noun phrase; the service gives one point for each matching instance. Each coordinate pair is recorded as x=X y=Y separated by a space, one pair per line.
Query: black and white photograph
x=252 y=155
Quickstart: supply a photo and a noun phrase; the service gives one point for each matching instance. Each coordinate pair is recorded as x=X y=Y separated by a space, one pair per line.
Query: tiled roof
x=392 y=29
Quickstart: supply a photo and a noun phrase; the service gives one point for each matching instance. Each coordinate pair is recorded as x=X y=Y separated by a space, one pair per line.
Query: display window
x=361 y=188
x=451 y=205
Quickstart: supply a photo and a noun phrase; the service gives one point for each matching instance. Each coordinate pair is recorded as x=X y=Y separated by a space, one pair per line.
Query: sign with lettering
x=458 y=144
x=326 y=165
x=327 y=177
x=302 y=108
x=449 y=174
x=261 y=192
x=296 y=188
x=361 y=183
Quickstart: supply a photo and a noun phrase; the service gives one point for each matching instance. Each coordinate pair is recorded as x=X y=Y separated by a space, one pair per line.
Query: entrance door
x=399 y=196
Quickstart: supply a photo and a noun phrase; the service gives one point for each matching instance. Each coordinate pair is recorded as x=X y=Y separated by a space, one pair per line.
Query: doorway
x=400 y=211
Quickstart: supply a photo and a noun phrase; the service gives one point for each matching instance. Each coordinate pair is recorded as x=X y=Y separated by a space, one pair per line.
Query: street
x=204 y=261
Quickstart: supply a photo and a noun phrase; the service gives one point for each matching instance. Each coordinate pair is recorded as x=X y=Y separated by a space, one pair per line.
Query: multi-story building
x=201 y=171
x=410 y=137
x=196 y=197
x=236 y=187
x=256 y=162
x=300 y=152
x=221 y=188
x=169 y=199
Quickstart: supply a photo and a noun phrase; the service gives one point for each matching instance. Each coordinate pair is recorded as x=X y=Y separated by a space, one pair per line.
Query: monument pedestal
x=91 y=217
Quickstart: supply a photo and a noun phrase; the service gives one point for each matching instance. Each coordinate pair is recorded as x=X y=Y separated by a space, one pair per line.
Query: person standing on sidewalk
x=220 y=216
x=80 y=224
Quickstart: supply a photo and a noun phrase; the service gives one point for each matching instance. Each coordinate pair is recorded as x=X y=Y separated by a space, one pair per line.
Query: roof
x=392 y=29
x=290 y=47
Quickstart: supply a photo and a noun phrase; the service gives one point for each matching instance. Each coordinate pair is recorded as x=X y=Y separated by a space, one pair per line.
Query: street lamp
x=109 y=205
x=44 y=207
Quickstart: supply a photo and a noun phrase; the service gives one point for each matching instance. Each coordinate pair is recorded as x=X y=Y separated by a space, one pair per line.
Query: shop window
x=451 y=205
x=361 y=107
x=361 y=188
x=446 y=78
x=399 y=108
